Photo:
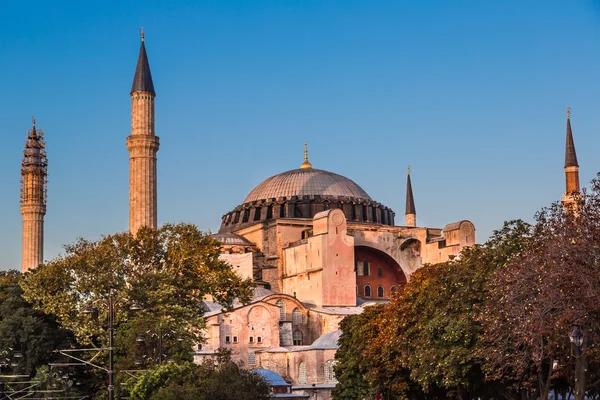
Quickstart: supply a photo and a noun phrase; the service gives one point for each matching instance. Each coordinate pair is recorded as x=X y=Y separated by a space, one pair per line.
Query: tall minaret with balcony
x=411 y=212
x=142 y=145
x=34 y=173
x=571 y=168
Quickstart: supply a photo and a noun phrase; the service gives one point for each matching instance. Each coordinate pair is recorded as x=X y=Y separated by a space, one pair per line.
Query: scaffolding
x=34 y=168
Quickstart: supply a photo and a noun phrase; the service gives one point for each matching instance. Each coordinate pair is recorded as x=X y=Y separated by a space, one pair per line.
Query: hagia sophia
x=317 y=246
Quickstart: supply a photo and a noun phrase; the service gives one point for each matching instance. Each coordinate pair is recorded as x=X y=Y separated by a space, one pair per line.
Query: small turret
x=411 y=212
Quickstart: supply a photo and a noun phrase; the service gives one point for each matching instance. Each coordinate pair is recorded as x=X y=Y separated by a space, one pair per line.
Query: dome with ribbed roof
x=303 y=193
x=306 y=181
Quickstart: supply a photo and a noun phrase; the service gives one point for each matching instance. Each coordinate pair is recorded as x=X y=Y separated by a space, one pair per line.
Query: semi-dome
x=306 y=182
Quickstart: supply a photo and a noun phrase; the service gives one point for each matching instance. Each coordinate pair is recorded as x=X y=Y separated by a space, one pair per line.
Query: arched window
x=296 y=317
x=380 y=291
x=302 y=373
x=367 y=268
x=367 y=291
x=297 y=338
x=329 y=373
x=380 y=271
x=281 y=306
x=393 y=290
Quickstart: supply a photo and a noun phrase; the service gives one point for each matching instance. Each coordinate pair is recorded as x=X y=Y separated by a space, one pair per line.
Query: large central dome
x=303 y=193
x=306 y=181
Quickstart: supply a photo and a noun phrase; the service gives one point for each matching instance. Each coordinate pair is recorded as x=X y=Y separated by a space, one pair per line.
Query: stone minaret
x=571 y=168
x=34 y=173
x=411 y=212
x=142 y=145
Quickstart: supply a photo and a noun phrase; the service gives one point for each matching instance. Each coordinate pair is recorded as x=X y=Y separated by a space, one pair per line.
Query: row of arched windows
x=380 y=291
x=296 y=314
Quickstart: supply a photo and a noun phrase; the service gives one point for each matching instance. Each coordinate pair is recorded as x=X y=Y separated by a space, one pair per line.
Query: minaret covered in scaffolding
x=142 y=145
x=34 y=173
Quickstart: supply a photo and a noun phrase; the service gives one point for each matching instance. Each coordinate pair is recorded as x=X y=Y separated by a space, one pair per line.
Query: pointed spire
x=306 y=164
x=142 y=81
x=410 y=200
x=570 y=154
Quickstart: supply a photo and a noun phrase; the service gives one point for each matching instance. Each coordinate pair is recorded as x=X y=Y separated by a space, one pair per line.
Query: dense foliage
x=208 y=381
x=168 y=271
x=492 y=323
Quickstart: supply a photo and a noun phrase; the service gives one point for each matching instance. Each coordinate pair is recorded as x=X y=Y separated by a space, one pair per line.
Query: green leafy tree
x=169 y=271
x=423 y=343
x=208 y=381
x=31 y=332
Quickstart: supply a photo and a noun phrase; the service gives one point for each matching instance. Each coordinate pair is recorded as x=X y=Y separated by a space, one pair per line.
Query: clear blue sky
x=471 y=94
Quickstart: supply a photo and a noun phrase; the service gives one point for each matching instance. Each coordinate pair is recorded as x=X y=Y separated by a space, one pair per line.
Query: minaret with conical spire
x=142 y=145
x=306 y=164
x=34 y=173
x=571 y=168
x=411 y=212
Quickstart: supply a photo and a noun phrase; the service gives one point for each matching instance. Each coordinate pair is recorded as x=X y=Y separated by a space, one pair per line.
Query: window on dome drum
x=366 y=268
x=296 y=317
x=380 y=271
x=302 y=373
x=329 y=373
x=380 y=291
x=270 y=212
x=257 y=214
x=297 y=338
x=246 y=215
x=367 y=291
x=281 y=306
x=235 y=339
x=251 y=359
x=227 y=340
x=258 y=339
x=251 y=339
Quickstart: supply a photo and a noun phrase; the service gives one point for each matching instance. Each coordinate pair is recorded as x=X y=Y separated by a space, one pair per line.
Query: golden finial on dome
x=142 y=33
x=33 y=120
x=409 y=169
x=306 y=164
x=568 y=112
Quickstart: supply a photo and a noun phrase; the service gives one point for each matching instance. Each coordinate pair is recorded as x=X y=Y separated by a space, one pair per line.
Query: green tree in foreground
x=422 y=344
x=209 y=381
x=168 y=271
x=26 y=330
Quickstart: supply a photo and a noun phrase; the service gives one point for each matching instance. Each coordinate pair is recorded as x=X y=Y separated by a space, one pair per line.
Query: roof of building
x=570 y=154
x=213 y=308
x=306 y=181
x=273 y=378
x=142 y=80
x=327 y=341
x=231 y=239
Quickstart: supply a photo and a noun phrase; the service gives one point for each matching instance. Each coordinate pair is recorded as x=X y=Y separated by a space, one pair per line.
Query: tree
x=224 y=380
x=32 y=333
x=534 y=303
x=169 y=271
x=422 y=344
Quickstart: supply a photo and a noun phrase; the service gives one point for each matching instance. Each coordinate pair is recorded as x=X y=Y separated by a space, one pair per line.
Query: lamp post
x=160 y=336
x=111 y=303
x=577 y=338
